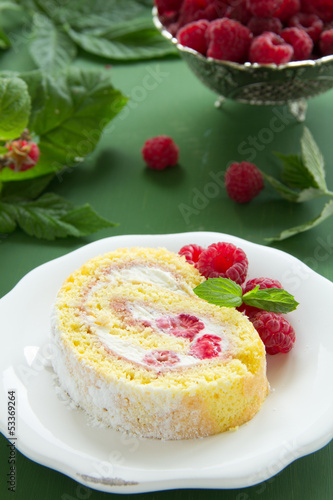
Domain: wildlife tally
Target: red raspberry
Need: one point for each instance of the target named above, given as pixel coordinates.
(326, 43)
(275, 331)
(160, 152)
(270, 48)
(193, 10)
(206, 347)
(301, 42)
(193, 35)
(183, 325)
(322, 8)
(161, 358)
(263, 283)
(238, 11)
(22, 155)
(164, 6)
(263, 8)
(243, 181)
(228, 40)
(288, 9)
(309, 23)
(223, 260)
(259, 25)
(191, 253)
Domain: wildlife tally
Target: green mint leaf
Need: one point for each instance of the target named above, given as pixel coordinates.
(294, 195)
(287, 233)
(51, 217)
(294, 172)
(220, 291)
(50, 47)
(270, 299)
(313, 159)
(14, 107)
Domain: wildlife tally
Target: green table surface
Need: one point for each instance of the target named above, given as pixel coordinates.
(165, 98)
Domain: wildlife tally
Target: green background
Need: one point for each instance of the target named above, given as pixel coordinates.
(165, 98)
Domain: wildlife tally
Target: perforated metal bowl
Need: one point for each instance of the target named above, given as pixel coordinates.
(292, 83)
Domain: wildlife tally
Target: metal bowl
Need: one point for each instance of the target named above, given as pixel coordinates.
(263, 84)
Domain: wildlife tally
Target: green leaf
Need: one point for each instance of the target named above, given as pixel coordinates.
(30, 188)
(294, 172)
(50, 47)
(220, 291)
(51, 217)
(136, 45)
(14, 107)
(270, 299)
(4, 40)
(287, 233)
(286, 192)
(313, 160)
(7, 222)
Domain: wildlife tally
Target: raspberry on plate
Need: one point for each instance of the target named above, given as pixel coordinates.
(263, 283)
(326, 43)
(223, 260)
(228, 40)
(243, 181)
(160, 152)
(288, 9)
(309, 23)
(263, 8)
(275, 331)
(191, 253)
(193, 35)
(270, 48)
(259, 25)
(301, 42)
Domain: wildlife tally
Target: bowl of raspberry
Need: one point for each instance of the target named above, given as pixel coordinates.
(265, 52)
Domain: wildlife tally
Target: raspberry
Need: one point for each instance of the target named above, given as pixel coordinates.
(193, 10)
(263, 8)
(270, 48)
(164, 6)
(275, 331)
(263, 283)
(159, 358)
(160, 152)
(22, 155)
(184, 325)
(259, 25)
(238, 12)
(322, 8)
(326, 43)
(206, 347)
(309, 23)
(191, 253)
(228, 40)
(301, 42)
(243, 181)
(225, 260)
(193, 35)
(288, 9)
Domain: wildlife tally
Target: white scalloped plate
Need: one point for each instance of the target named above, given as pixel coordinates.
(296, 419)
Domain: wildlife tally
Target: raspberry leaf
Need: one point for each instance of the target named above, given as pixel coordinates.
(50, 217)
(294, 172)
(313, 159)
(220, 291)
(287, 233)
(15, 104)
(270, 299)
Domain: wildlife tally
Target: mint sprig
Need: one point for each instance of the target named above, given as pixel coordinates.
(226, 293)
(303, 178)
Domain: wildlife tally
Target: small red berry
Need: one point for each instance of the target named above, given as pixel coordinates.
(193, 35)
(263, 283)
(243, 181)
(301, 42)
(288, 9)
(263, 8)
(191, 253)
(326, 43)
(309, 23)
(259, 25)
(223, 260)
(22, 155)
(160, 152)
(228, 40)
(275, 331)
(322, 8)
(206, 347)
(270, 48)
